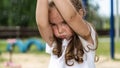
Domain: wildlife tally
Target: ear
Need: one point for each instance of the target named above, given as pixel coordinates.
(81, 12)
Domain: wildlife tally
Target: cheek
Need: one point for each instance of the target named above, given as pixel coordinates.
(68, 29)
(69, 32)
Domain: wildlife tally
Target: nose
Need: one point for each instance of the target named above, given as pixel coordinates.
(60, 29)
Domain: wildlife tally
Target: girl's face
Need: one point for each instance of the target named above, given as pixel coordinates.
(59, 26)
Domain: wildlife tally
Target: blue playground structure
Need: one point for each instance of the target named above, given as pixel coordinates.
(112, 32)
(24, 47)
(40, 46)
(18, 43)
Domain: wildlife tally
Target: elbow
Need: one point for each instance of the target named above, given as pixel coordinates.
(87, 35)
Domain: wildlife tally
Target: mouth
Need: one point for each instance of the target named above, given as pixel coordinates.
(63, 36)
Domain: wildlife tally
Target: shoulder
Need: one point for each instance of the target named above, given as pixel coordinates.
(86, 44)
(50, 48)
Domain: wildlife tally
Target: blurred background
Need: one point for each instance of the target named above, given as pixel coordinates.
(22, 46)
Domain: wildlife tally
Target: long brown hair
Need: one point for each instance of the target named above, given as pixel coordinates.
(74, 49)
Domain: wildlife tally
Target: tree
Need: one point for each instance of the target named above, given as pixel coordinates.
(22, 13)
(17, 13)
(92, 14)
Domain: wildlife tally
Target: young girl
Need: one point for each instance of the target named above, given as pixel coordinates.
(71, 40)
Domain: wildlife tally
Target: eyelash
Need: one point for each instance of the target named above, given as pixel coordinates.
(52, 24)
(64, 23)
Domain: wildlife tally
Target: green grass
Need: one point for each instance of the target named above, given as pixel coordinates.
(3, 44)
(103, 47)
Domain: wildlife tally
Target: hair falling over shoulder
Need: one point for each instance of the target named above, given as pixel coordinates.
(74, 50)
(96, 38)
(57, 50)
(96, 59)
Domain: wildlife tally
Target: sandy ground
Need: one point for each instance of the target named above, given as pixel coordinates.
(42, 61)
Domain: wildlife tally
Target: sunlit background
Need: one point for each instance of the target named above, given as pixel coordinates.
(18, 29)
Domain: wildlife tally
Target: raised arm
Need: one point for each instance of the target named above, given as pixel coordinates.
(72, 17)
(42, 21)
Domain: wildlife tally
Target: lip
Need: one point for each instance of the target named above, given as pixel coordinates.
(63, 36)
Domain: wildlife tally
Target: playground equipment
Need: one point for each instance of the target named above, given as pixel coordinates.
(12, 43)
(17, 43)
(112, 32)
(24, 47)
(12, 65)
(40, 46)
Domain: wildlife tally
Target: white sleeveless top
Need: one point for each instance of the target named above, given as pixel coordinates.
(88, 57)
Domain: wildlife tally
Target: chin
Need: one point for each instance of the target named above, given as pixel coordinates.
(67, 38)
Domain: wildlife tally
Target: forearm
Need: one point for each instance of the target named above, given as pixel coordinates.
(66, 9)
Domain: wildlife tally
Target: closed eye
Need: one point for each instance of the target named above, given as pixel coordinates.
(52, 24)
(64, 22)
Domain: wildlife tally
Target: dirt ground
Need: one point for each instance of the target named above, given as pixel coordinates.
(42, 61)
